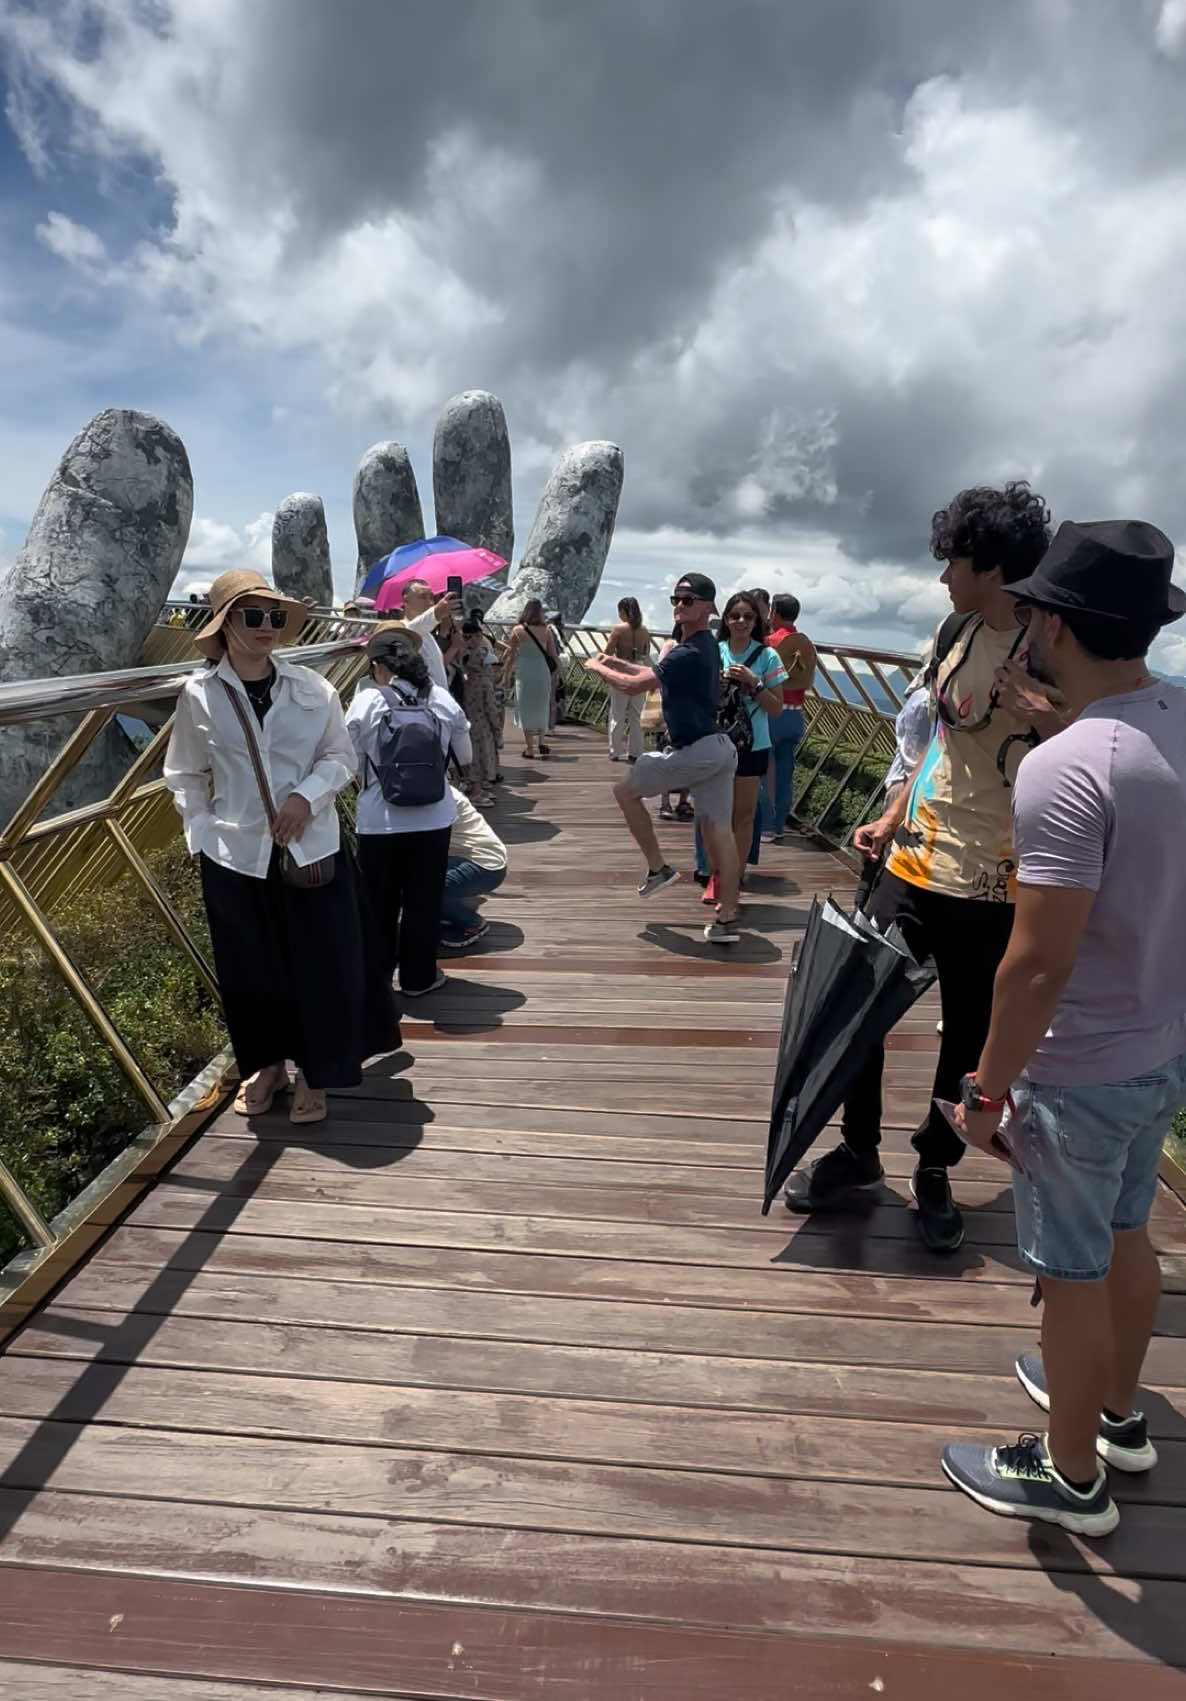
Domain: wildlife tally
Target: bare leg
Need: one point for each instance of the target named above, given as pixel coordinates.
(745, 802)
(1077, 1354)
(642, 829)
(722, 859)
(1134, 1289)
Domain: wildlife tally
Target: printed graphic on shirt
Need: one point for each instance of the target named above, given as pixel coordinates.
(957, 837)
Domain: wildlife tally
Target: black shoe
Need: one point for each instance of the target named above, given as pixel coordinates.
(939, 1221)
(841, 1177)
(1021, 1482)
(1125, 1444)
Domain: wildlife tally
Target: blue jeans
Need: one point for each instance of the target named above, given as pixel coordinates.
(464, 881)
(786, 733)
(1090, 1156)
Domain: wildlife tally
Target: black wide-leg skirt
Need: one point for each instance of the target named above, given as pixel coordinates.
(299, 973)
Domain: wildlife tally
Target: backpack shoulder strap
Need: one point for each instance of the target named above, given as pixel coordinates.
(946, 639)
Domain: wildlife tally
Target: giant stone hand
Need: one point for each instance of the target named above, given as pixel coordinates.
(569, 540)
(83, 594)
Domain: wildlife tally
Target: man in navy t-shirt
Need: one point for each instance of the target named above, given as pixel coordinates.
(701, 758)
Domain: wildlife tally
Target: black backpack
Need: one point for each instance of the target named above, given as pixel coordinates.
(733, 716)
(412, 763)
(946, 639)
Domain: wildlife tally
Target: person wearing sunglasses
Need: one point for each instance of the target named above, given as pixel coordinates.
(699, 756)
(298, 978)
(950, 873)
(1084, 1066)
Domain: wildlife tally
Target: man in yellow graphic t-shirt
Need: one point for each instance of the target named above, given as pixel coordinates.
(950, 874)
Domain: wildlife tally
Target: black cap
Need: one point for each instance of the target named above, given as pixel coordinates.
(697, 585)
(1111, 569)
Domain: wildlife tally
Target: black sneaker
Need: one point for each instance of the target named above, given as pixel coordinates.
(1021, 1482)
(939, 1221)
(1125, 1445)
(655, 882)
(841, 1177)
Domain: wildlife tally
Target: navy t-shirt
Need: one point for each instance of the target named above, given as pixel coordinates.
(689, 684)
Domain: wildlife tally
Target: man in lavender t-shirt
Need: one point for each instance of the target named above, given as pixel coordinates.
(1089, 1017)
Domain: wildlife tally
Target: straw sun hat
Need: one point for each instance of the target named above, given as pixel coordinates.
(227, 590)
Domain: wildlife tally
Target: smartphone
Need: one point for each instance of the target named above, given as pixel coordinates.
(453, 585)
(1000, 1140)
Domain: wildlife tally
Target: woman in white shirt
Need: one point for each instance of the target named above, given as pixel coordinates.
(403, 850)
(297, 977)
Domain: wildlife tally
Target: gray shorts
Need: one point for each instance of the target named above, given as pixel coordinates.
(705, 768)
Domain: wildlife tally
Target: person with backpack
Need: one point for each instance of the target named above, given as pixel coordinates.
(405, 730)
(752, 675)
(950, 874)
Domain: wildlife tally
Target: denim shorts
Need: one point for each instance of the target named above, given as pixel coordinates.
(1091, 1156)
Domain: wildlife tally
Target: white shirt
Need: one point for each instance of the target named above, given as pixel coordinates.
(434, 661)
(363, 718)
(304, 747)
(473, 839)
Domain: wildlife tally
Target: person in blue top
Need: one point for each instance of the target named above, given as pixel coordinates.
(748, 663)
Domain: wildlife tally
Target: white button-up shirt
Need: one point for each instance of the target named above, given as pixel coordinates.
(434, 661)
(304, 746)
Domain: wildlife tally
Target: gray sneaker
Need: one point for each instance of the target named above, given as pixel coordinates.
(723, 932)
(1021, 1482)
(1125, 1445)
(665, 876)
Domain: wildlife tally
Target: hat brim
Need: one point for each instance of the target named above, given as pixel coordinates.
(395, 629)
(1034, 590)
(206, 638)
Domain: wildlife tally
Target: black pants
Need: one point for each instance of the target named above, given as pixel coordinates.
(298, 973)
(404, 877)
(967, 939)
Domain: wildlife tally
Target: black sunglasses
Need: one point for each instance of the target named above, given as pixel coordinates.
(684, 600)
(741, 614)
(253, 618)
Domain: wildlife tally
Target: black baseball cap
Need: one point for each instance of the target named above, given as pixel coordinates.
(698, 585)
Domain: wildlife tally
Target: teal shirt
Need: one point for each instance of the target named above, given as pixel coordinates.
(769, 669)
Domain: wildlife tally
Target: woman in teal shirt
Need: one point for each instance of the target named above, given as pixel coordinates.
(747, 662)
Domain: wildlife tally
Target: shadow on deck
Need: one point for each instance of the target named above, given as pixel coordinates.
(498, 1385)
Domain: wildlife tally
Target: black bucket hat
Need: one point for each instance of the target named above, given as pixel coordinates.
(1110, 569)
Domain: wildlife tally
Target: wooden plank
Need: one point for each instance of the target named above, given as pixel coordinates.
(774, 1288)
(840, 1243)
(927, 1522)
(964, 1606)
(777, 1445)
(426, 1649)
(37, 1682)
(93, 1306)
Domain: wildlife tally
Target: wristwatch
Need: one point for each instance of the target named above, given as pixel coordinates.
(973, 1099)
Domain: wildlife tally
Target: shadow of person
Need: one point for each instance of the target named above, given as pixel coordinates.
(685, 943)
(466, 1006)
(1141, 1609)
(503, 936)
(877, 1238)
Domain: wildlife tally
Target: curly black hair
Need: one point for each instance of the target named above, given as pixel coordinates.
(1008, 528)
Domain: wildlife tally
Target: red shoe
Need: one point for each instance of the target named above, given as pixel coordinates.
(712, 894)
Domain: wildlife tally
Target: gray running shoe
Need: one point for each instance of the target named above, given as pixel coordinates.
(1125, 1445)
(665, 876)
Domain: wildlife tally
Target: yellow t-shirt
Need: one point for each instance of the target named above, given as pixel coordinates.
(957, 837)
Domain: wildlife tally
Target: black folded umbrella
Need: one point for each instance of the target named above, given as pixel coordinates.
(849, 984)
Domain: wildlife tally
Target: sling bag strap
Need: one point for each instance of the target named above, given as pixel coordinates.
(257, 761)
(543, 650)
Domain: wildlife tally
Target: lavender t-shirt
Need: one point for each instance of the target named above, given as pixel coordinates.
(1101, 808)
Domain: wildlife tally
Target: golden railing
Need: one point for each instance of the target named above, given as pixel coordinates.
(87, 850)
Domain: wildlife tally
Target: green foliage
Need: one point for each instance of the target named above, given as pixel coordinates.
(836, 798)
(66, 1108)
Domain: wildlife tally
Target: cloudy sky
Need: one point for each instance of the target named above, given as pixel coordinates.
(814, 264)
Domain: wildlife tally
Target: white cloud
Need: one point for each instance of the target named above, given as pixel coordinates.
(72, 242)
(214, 547)
(1171, 27)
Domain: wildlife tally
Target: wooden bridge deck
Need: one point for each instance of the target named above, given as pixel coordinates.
(499, 1386)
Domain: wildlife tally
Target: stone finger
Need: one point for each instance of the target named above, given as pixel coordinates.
(471, 483)
(101, 554)
(387, 509)
(570, 538)
(300, 550)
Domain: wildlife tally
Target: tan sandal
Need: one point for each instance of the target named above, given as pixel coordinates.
(245, 1106)
(308, 1103)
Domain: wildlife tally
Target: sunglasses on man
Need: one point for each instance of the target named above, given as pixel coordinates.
(685, 600)
(253, 618)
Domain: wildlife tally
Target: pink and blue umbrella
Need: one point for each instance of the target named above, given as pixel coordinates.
(433, 559)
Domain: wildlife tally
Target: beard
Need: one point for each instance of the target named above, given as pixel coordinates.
(1037, 667)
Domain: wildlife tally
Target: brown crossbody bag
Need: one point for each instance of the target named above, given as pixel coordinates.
(292, 873)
